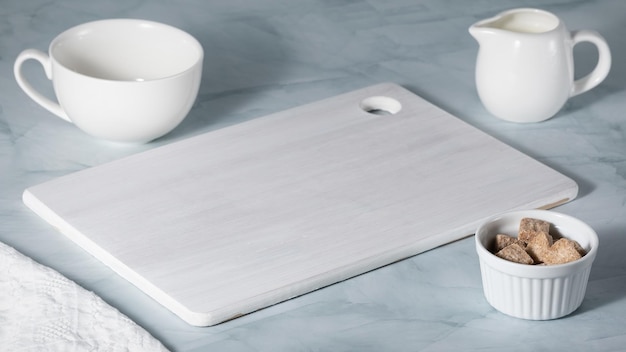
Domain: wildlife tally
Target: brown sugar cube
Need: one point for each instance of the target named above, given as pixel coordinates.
(515, 253)
(579, 248)
(562, 251)
(502, 241)
(529, 227)
(538, 247)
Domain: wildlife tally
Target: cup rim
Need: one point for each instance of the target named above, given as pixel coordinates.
(535, 271)
(131, 21)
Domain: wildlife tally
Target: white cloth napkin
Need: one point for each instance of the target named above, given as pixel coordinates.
(42, 310)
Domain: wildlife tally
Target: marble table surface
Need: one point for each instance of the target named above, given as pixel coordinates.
(267, 56)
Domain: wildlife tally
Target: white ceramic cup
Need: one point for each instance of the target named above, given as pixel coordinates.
(122, 80)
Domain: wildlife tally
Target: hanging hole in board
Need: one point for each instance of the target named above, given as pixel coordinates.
(381, 105)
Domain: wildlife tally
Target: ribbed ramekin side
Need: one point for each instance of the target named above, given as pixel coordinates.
(531, 298)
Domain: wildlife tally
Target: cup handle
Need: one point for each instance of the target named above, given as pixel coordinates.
(603, 66)
(40, 99)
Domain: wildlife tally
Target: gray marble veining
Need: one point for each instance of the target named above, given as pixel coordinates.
(267, 56)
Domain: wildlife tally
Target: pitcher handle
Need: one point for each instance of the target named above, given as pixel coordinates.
(603, 66)
(39, 98)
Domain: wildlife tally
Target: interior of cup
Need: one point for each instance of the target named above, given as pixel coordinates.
(126, 50)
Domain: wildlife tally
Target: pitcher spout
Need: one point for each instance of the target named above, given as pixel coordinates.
(479, 31)
(483, 28)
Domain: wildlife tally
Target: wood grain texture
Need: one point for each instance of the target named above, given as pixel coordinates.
(237, 219)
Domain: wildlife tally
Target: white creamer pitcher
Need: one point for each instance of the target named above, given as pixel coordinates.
(525, 66)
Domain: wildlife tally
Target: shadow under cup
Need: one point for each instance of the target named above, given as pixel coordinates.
(126, 80)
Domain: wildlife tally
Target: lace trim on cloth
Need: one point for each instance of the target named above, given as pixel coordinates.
(42, 310)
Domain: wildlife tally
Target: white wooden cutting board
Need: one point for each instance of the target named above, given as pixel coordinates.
(228, 222)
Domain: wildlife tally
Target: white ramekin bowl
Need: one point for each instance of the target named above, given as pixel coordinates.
(535, 292)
